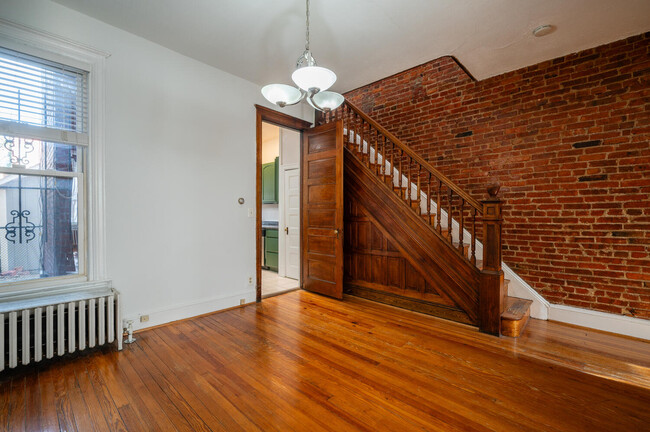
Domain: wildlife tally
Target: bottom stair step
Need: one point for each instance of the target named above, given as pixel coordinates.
(515, 317)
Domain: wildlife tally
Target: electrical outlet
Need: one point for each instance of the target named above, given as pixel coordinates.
(144, 318)
(250, 280)
(242, 301)
(251, 212)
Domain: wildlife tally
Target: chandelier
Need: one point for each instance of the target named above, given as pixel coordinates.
(312, 81)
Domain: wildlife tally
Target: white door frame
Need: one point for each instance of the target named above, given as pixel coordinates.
(282, 269)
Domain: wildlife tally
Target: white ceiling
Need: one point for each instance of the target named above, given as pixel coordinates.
(365, 40)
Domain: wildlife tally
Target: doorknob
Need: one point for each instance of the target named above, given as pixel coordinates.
(336, 231)
(286, 229)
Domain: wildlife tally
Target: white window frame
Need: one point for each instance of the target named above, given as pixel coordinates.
(55, 48)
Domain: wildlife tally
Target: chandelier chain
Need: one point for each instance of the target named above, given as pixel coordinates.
(307, 41)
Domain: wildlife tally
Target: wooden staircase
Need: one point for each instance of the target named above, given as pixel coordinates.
(435, 226)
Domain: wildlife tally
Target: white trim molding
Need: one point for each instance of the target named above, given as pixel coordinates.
(55, 48)
(191, 309)
(542, 309)
(54, 290)
(24, 130)
(635, 327)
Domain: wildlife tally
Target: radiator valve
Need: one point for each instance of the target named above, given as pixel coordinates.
(129, 330)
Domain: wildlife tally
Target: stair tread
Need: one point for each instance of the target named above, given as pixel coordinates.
(516, 308)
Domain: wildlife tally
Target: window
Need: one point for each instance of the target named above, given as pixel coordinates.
(43, 144)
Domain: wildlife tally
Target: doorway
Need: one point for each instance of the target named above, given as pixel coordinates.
(278, 230)
(280, 209)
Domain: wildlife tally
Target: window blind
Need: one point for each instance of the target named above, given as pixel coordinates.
(42, 99)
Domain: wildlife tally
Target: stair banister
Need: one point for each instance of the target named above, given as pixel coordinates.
(417, 158)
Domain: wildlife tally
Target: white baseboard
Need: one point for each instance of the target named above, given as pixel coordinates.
(191, 309)
(620, 324)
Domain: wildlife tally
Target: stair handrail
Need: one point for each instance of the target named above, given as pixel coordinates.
(417, 158)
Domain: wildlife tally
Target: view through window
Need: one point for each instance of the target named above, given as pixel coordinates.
(43, 124)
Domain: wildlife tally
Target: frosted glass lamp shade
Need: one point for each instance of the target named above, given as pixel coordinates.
(326, 100)
(281, 94)
(310, 77)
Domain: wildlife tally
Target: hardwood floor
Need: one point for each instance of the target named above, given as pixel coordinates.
(300, 361)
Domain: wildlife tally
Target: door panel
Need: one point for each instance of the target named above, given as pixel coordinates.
(292, 223)
(322, 209)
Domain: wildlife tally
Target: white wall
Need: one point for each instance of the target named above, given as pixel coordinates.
(290, 146)
(270, 142)
(270, 151)
(270, 212)
(180, 150)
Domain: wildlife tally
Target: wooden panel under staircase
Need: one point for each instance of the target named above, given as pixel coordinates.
(422, 232)
(420, 245)
(376, 269)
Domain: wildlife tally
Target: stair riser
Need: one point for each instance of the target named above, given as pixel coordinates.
(515, 317)
(514, 328)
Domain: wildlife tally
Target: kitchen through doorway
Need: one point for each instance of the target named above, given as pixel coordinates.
(280, 243)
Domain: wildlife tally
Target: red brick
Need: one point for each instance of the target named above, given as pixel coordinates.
(525, 123)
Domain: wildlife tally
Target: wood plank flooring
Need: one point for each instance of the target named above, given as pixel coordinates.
(302, 362)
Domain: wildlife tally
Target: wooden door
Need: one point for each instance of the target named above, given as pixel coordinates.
(322, 209)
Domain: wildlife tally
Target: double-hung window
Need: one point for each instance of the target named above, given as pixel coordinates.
(43, 144)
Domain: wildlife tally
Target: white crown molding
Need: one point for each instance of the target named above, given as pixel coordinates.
(48, 41)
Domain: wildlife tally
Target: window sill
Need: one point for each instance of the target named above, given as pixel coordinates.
(63, 290)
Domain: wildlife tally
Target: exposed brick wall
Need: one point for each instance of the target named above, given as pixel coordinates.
(568, 140)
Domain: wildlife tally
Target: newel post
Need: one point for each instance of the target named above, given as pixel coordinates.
(491, 294)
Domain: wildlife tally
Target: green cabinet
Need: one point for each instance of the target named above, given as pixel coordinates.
(270, 182)
(271, 249)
